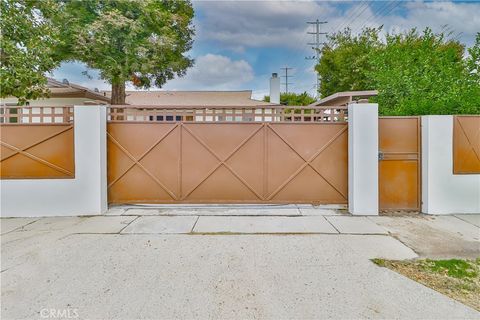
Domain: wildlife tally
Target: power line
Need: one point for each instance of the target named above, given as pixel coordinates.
(307, 87)
(361, 12)
(383, 11)
(373, 15)
(396, 4)
(317, 33)
(342, 25)
(296, 50)
(286, 76)
(316, 45)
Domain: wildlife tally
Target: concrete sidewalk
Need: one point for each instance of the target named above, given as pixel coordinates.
(197, 265)
(253, 225)
(455, 236)
(228, 210)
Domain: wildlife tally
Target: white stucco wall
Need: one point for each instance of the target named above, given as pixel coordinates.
(442, 191)
(363, 158)
(83, 195)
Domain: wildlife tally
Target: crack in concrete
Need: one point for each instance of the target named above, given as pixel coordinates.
(466, 221)
(10, 268)
(22, 226)
(193, 227)
(328, 221)
(119, 232)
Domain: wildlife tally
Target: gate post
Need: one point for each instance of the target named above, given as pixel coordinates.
(91, 157)
(363, 158)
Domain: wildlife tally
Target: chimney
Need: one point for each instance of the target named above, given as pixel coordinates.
(275, 89)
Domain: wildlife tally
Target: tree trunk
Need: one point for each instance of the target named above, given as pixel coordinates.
(118, 93)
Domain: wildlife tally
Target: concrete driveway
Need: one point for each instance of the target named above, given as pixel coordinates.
(199, 264)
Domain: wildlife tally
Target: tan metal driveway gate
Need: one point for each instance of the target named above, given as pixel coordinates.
(227, 162)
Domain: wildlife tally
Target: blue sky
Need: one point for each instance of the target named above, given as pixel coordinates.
(238, 44)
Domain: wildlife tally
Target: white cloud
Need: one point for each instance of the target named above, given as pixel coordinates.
(460, 18)
(210, 72)
(240, 24)
(215, 72)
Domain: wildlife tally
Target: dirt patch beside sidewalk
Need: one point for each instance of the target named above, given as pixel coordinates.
(456, 278)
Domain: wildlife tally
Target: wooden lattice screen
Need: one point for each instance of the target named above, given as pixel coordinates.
(146, 113)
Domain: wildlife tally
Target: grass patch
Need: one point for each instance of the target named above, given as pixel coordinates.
(456, 268)
(457, 278)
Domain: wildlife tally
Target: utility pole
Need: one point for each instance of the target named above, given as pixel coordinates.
(286, 76)
(316, 45)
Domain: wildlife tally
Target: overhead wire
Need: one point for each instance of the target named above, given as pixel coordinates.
(374, 15)
(345, 23)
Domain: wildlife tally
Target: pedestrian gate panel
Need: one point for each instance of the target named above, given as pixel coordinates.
(399, 163)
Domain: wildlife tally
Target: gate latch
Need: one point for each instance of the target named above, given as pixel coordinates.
(380, 155)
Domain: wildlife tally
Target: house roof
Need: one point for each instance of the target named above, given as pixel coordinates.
(181, 99)
(186, 99)
(343, 98)
(70, 90)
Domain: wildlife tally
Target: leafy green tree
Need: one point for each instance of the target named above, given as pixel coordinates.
(345, 59)
(473, 78)
(139, 41)
(27, 41)
(423, 73)
(414, 73)
(473, 61)
(294, 99)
